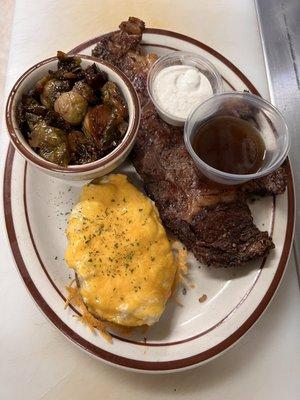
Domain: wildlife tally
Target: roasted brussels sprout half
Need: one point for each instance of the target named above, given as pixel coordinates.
(66, 62)
(99, 123)
(50, 143)
(54, 119)
(112, 96)
(95, 78)
(85, 91)
(82, 149)
(71, 106)
(39, 86)
(68, 67)
(29, 104)
(29, 113)
(52, 90)
(107, 122)
(33, 119)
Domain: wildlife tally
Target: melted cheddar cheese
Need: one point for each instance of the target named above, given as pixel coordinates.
(120, 252)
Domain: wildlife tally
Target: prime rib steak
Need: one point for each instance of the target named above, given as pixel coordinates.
(212, 220)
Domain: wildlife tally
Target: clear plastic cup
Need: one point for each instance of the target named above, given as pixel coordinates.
(256, 111)
(182, 58)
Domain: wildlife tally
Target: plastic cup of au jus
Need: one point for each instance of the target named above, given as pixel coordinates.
(264, 117)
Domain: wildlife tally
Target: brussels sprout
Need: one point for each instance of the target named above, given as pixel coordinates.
(39, 86)
(71, 106)
(99, 123)
(112, 96)
(52, 118)
(33, 119)
(68, 67)
(29, 104)
(50, 143)
(52, 90)
(68, 63)
(82, 149)
(29, 113)
(85, 91)
(56, 118)
(95, 78)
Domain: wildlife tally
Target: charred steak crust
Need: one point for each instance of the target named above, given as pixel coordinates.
(212, 220)
(226, 235)
(113, 47)
(122, 48)
(272, 184)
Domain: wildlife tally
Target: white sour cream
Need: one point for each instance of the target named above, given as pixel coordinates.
(178, 89)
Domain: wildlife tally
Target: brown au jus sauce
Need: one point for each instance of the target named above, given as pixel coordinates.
(230, 144)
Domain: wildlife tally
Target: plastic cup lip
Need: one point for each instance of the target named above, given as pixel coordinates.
(226, 176)
(180, 55)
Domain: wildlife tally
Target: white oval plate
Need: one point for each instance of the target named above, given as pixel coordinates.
(36, 209)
